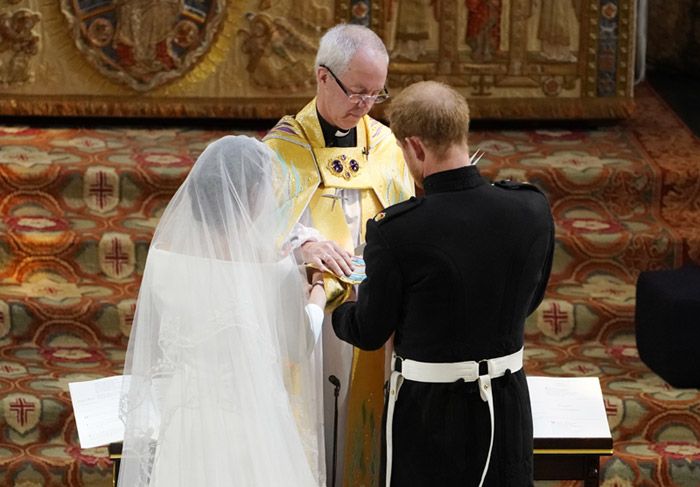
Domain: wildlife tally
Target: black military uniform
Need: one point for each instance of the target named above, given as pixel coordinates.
(454, 274)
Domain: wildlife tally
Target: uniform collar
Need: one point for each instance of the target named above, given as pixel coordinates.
(453, 180)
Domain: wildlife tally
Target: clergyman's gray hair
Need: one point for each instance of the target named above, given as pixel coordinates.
(340, 43)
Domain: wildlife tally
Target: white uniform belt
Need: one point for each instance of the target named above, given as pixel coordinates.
(445, 373)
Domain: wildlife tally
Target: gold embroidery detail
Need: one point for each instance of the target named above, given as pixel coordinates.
(380, 216)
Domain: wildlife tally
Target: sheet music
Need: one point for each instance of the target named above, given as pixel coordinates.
(96, 408)
(568, 407)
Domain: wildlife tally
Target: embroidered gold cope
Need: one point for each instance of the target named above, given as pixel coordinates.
(312, 174)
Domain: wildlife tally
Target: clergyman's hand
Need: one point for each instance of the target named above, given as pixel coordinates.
(327, 256)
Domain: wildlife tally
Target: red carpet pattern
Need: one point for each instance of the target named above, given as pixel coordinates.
(78, 207)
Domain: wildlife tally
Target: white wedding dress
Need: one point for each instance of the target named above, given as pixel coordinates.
(223, 360)
(248, 427)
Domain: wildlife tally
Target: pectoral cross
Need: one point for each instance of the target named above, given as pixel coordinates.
(336, 196)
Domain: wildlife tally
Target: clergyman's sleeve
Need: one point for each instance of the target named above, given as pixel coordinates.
(369, 322)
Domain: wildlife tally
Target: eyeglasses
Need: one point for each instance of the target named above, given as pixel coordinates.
(358, 98)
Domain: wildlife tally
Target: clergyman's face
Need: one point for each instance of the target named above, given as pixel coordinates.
(366, 74)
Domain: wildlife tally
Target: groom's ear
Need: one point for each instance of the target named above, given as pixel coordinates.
(417, 146)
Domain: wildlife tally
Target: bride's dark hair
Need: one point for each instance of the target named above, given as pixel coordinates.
(207, 187)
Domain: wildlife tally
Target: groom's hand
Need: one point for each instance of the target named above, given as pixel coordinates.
(328, 256)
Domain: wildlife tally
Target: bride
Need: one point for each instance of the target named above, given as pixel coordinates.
(223, 364)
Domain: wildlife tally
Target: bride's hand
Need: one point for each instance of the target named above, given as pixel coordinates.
(316, 291)
(316, 276)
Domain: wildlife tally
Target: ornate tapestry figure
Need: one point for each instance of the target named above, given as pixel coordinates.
(17, 46)
(143, 28)
(270, 45)
(144, 43)
(483, 28)
(555, 29)
(412, 28)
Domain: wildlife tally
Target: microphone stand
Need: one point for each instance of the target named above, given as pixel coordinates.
(334, 380)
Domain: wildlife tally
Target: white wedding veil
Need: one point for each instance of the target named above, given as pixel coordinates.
(222, 375)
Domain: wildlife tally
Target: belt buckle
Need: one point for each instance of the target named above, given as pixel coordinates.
(485, 363)
(398, 363)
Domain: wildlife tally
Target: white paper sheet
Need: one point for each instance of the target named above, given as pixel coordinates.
(562, 407)
(96, 408)
(568, 407)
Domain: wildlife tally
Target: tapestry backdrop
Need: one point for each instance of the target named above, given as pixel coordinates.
(254, 58)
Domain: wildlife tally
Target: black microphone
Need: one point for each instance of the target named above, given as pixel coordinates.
(334, 380)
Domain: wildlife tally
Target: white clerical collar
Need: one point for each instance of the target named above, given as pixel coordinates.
(340, 133)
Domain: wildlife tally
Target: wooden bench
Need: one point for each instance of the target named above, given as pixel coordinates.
(571, 430)
(570, 458)
(562, 408)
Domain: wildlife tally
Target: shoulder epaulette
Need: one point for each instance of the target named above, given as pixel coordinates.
(509, 184)
(398, 209)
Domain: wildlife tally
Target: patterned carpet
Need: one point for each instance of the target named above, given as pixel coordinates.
(78, 207)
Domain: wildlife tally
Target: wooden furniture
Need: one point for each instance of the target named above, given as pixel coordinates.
(554, 459)
(561, 407)
(115, 454)
(570, 458)
(570, 426)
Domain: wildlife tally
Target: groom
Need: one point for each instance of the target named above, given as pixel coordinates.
(452, 275)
